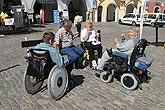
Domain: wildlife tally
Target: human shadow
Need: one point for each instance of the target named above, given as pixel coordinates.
(160, 44)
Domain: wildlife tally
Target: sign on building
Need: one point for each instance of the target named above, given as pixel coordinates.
(147, 5)
(94, 3)
(56, 16)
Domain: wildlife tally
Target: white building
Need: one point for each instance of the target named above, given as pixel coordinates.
(32, 7)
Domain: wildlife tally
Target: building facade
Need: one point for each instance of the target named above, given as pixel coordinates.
(112, 10)
(155, 7)
(98, 10)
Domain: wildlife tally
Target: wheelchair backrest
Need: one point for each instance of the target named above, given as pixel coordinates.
(138, 51)
(39, 62)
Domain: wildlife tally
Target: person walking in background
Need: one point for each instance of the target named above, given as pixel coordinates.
(77, 22)
(62, 18)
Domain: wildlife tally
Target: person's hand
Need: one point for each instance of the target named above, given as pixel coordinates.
(98, 35)
(76, 34)
(116, 40)
(122, 36)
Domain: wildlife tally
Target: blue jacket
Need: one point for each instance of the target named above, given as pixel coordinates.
(54, 54)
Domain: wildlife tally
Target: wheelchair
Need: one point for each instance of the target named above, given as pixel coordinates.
(132, 74)
(40, 67)
(86, 61)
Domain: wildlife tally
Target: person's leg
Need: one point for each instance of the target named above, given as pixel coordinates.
(99, 50)
(90, 48)
(78, 25)
(80, 51)
(105, 57)
(72, 56)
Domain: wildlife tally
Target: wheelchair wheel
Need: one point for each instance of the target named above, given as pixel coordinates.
(32, 84)
(129, 81)
(85, 62)
(57, 82)
(106, 77)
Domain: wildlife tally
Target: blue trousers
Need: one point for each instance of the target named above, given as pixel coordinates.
(73, 52)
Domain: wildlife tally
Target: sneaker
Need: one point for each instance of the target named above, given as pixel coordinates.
(94, 64)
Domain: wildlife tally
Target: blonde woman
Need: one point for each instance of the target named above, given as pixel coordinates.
(89, 38)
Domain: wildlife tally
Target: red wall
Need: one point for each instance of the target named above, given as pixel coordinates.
(151, 6)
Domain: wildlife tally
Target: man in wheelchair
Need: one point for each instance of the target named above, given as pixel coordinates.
(45, 62)
(64, 42)
(125, 46)
(47, 44)
(127, 63)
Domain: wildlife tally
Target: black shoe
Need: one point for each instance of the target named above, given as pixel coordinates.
(109, 52)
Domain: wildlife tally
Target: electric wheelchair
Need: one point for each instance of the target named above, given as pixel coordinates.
(41, 67)
(86, 61)
(131, 72)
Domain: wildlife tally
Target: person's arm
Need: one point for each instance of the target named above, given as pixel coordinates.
(56, 46)
(57, 40)
(86, 36)
(125, 46)
(58, 59)
(75, 35)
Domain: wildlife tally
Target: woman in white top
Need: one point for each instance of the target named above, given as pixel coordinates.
(89, 38)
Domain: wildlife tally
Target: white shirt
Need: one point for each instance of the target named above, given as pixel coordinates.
(77, 19)
(91, 38)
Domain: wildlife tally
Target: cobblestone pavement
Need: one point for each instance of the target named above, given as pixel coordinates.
(89, 93)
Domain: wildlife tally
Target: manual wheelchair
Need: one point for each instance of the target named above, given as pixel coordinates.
(41, 67)
(131, 72)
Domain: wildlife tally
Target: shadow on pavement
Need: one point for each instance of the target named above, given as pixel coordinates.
(9, 68)
(161, 44)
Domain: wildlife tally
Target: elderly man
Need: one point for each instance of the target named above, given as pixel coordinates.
(125, 46)
(64, 42)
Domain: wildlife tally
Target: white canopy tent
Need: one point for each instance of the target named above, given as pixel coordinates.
(142, 13)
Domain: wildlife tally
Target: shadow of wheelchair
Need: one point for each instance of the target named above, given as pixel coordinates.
(74, 81)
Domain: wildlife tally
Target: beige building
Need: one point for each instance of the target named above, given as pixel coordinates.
(112, 10)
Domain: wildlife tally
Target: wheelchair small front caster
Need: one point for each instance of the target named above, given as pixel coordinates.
(106, 77)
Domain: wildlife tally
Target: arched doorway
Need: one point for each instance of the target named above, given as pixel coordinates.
(48, 8)
(99, 13)
(37, 7)
(111, 9)
(130, 8)
(77, 5)
(156, 10)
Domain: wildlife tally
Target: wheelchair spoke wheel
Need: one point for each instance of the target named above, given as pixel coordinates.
(57, 82)
(32, 84)
(129, 81)
(106, 77)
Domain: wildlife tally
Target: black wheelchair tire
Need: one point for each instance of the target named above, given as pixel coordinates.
(129, 81)
(106, 78)
(32, 87)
